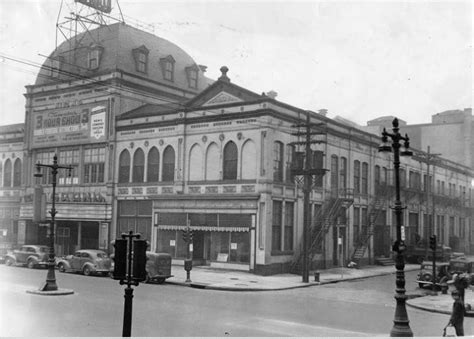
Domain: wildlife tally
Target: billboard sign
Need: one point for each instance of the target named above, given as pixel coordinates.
(70, 126)
(100, 5)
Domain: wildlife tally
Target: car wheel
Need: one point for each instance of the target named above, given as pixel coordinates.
(86, 270)
(147, 279)
(30, 264)
(419, 260)
(160, 280)
(61, 268)
(9, 262)
(421, 285)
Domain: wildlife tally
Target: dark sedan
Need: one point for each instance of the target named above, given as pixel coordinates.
(86, 262)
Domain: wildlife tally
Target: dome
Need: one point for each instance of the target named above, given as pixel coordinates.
(116, 47)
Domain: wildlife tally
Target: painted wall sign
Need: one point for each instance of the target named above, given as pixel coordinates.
(71, 125)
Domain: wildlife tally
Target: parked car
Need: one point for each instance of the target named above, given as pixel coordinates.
(416, 254)
(30, 255)
(425, 275)
(158, 267)
(462, 265)
(86, 262)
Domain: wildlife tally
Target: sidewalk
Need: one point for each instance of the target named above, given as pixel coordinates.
(218, 279)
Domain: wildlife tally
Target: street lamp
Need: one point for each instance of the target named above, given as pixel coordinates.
(401, 327)
(50, 284)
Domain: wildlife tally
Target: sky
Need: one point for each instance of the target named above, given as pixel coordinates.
(358, 60)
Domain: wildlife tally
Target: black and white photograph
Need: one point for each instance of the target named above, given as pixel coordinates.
(254, 168)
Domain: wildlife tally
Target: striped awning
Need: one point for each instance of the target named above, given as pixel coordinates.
(203, 228)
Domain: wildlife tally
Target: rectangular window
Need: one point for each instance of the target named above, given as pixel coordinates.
(290, 155)
(193, 78)
(289, 220)
(318, 162)
(94, 165)
(45, 158)
(142, 62)
(276, 225)
(94, 58)
(278, 161)
(69, 158)
(356, 176)
(365, 178)
(403, 177)
(169, 70)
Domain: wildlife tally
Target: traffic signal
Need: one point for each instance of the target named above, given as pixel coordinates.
(190, 236)
(139, 259)
(185, 236)
(433, 242)
(120, 259)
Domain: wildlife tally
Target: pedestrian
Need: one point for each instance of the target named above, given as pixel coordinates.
(457, 315)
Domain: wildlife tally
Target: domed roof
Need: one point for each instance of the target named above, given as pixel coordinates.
(118, 46)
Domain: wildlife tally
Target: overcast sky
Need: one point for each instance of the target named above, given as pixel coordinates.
(358, 60)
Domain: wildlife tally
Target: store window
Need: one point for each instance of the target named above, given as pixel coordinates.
(135, 216)
(276, 225)
(168, 164)
(289, 226)
(278, 161)
(138, 173)
(70, 158)
(230, 161)
(153, 167)
(94, 165)
(17, 173)
(124, 167)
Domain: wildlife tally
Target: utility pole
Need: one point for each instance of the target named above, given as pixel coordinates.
(308, 171)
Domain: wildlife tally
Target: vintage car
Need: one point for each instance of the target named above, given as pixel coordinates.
(425, 275)
(158, 267)
(462, 265)
(30, 255)
(417, 254)
(86, 262)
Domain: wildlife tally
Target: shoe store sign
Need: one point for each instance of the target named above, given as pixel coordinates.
(72, 125)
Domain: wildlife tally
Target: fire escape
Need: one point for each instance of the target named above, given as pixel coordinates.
(323, 220)
(379, 203)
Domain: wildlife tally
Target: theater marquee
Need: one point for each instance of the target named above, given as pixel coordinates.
(70, 126)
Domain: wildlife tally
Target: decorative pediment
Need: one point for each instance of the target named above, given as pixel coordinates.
(221, 98)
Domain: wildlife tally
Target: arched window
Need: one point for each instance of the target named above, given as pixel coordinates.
(195, 163)
(356, 176)
(278, 161)
(249, 160)
(343, 173)
(138, 174)
(290, 158)
(17, 173)
(230, 161)
(168, 164)
(124, 167)
(153, 168)
(7, 174)
(212, 162)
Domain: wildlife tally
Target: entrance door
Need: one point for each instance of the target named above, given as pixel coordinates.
(382, 240)
(339, 245)
(198, 248)
(63, 239)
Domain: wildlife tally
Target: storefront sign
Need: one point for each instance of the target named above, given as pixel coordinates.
(222, 257)
(70, 125)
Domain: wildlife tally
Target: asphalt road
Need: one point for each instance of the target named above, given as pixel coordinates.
(358, 308)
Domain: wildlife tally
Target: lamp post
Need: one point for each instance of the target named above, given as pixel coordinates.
(401, 327)
(50, 284)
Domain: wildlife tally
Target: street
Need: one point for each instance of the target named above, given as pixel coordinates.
(358, 308)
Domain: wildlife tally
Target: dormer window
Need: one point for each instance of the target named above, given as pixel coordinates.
(167, 67)
(141, 59)
(192, 75)
(54, 66)
(94, 55)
